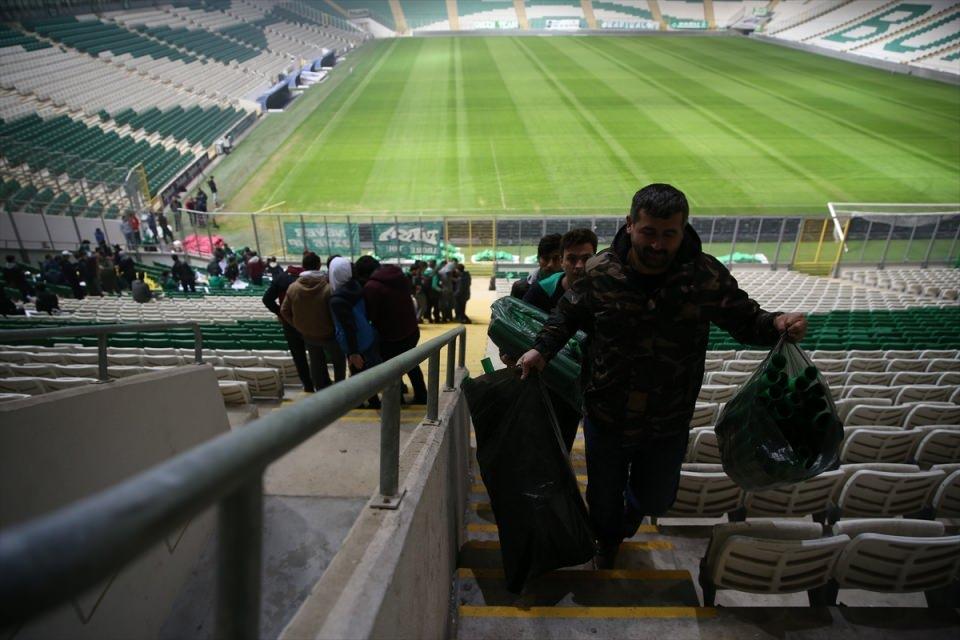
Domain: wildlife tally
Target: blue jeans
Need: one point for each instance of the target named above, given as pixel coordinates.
(626, 483)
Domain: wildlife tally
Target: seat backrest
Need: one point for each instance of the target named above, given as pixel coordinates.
(705, 447)
(717, 392)
(830, 365)
(704, 414)
(752, 355)
(865, 444)
(903, 378)
(923, 392)
(938, 446)
(868, 415)
(846, 405)
(883, 494)
(800, 499)
(774, 565)
(946, 499)
(943, 364)
(869, 377)
(877, 365)
(705, 491)
(871, 391)
(949, 377)
(898, 564)
(741, 365)
(922, 414)
(728, 377)
(907, 364)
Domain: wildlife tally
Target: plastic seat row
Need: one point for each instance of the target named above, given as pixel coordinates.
(889, 556)
(860, 444)
(859, 490)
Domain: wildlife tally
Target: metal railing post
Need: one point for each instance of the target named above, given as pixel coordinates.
(451, 364)
(102, 371)
(240, 530)
(390, 497)
(433, 387)
(463, 349)
(197, 343)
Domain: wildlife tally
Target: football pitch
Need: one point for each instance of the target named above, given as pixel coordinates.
(566, 125)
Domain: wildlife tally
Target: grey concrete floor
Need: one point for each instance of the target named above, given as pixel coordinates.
(312, 497)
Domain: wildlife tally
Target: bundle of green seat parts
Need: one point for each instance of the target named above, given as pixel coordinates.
(782, 426)
(514, 326)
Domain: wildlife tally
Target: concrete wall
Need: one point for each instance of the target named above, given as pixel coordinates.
(392, 576)
(63, 446)
(53, 233)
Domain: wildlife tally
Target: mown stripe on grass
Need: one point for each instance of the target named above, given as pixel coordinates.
(303, 171)
(887, 132)
(653, 140)
(693, 92)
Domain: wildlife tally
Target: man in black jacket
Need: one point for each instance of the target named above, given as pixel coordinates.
(184, 274)
(646, 305)
(272, 299)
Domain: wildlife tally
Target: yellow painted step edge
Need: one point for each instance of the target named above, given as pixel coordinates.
(630, 545)
(484, 527)
(472, 611)
(602, 574)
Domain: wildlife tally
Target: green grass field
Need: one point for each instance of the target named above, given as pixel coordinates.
(577, 124)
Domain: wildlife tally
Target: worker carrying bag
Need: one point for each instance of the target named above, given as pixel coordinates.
(541, 517)
(782, 426)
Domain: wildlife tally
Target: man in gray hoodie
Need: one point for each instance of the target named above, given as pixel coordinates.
(307, 308)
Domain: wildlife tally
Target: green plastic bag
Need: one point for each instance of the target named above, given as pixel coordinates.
(782, 426)
(514, 326)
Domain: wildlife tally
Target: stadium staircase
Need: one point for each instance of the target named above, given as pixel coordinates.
(587, 6)
(453, 15)
(708, 14)
(521, 10)
(657, 14)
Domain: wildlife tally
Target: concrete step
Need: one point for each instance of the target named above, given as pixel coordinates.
(488, 531)
(634, 554)
(695, 623)
(580, 588)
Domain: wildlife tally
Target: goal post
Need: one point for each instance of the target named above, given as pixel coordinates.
(878, 233)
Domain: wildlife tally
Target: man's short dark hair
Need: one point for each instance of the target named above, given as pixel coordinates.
(549, 243)
(330, 259)
(659, 201)
(364, 267)
(311, 262)
(578, 236)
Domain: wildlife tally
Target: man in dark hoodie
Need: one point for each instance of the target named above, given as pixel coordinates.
(387, 294)
(306, 307)
(273, 297)
(646, 304)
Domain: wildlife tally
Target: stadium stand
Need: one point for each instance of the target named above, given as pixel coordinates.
(679, 12)
(933, 283)
(487, 14)
(623, 14)
(379, 10)
(426, 16)
(555, 14)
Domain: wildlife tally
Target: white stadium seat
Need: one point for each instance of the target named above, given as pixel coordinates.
(768, 557)
(878, 444)
(705, 491)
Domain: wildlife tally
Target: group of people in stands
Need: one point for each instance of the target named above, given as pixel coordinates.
(345, 314)
(441, 291)
(89, 271)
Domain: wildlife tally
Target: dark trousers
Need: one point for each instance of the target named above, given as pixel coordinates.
(298, 351)
(568, 419)
(626, 483)
(461, 308)
(319, 354)
(393, 349)
(192, 287)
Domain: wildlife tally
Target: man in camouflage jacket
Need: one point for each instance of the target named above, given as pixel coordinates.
(646, 304)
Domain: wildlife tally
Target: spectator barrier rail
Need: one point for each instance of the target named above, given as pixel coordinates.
(46, 561)
(102, 331)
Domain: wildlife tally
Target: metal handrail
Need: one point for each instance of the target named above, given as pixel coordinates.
(46, 561)
(102, 331)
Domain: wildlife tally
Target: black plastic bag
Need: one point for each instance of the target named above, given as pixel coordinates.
(782, 426)
(541, 517)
